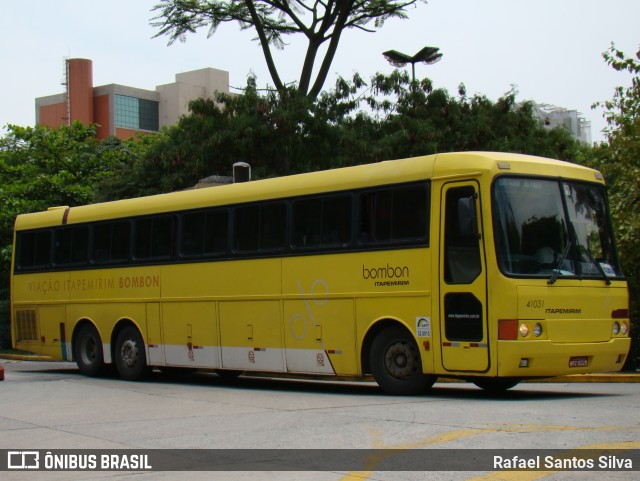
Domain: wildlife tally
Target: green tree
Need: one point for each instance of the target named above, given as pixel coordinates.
(41, 168)
(280, 136)
(319, 22)
(276, 135)
(412, 118)
(619, 160)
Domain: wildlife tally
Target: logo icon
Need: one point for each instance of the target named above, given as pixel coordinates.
(423, 326)
(23, 460)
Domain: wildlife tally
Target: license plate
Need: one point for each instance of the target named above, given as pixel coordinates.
(581, 361)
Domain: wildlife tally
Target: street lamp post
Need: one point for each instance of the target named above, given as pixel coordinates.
(428, 55)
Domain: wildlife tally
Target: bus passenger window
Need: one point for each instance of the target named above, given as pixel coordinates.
(71, 245)
(322, 222)
(336, 221)
(216, 232)
(111, 242)
(33, 249)
(192, 235)
(154, 237)
(247, 228)
(307, 223)
(273, 226)
(260, 228)
(394, 215)
(204, 233)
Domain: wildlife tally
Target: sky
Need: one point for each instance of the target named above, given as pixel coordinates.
(549, 50)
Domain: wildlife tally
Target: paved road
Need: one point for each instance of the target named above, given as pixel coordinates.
(45, 405)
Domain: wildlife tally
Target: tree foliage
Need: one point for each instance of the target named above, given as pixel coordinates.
(416, 119)
(357, 122)
(273, 20)
(619, 160)
(41, 168)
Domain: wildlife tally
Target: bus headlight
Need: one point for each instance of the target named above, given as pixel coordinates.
(624, 328)
(537, 330)
(616, 328)
(524, 329)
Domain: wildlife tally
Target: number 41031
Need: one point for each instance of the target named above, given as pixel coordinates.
(535, 304)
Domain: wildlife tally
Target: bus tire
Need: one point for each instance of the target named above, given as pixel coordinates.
(87, 351)
(130, 357)
(396, 364)
(494, 385)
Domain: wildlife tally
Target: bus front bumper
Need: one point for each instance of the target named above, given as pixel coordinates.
(541, 358)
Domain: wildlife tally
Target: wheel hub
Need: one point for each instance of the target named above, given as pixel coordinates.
(129, 353)
(89, 350)
(400, 360)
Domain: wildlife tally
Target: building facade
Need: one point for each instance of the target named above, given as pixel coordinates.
(122, 111)
(570, 120)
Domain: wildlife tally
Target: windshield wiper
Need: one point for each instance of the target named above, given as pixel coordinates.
(556, 271)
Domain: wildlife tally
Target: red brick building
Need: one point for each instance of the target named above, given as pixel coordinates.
(120, 110)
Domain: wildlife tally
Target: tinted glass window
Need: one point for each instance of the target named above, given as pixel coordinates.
(111, 242)
(260, 227)
(394, 215)
(71, 245)
(322, 222)
(204, 233)
(154, 237)
(33, 249)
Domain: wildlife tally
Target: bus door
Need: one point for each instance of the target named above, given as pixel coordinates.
(463, 280)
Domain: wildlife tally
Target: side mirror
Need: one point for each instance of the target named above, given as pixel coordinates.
(468, 217)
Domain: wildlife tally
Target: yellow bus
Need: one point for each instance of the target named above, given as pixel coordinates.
(487, 267)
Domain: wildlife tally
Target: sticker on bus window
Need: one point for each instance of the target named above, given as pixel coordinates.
(423, 326)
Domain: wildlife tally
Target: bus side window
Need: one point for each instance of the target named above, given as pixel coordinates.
(462, 246)
(394, 215)
(307, 223)
(260, 227)
(33, 249)
(111, 242)
(322, 222)
(216, 232)
(71, 245)
(204, 233)
(273, 226)
(154, 237)
(336, 221)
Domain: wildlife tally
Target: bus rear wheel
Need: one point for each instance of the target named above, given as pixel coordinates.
(130, 357)
(87, 351)
(396, 364)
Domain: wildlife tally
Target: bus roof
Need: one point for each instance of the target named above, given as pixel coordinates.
(438, 166)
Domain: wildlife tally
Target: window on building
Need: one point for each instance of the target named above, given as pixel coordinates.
(135, 113)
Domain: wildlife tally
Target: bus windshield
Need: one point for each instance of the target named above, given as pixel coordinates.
(553, 228)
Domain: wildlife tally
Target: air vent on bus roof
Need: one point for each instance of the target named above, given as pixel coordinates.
(241, 172)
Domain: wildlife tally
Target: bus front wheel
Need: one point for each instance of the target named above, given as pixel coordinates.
(130, 357)
(87, 350)
(396, 364)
